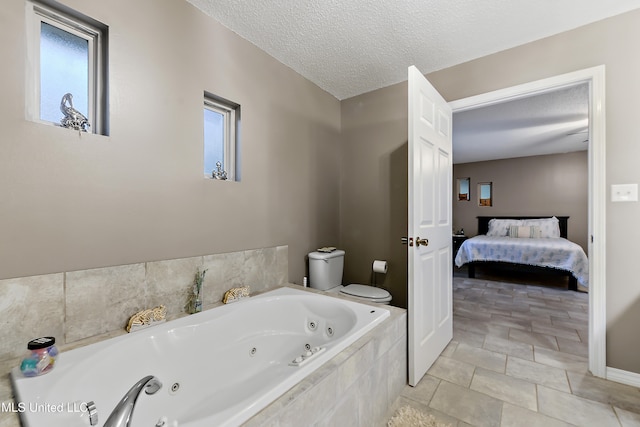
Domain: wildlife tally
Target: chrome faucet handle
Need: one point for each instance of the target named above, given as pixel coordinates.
(93, 413)
(122, 413)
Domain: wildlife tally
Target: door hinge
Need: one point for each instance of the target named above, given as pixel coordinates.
(407, 240)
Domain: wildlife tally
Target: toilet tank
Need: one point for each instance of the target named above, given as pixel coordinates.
(325, 269)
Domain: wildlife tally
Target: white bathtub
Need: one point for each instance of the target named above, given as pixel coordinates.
(218, 368)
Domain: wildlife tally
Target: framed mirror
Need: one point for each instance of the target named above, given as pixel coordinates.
(485, 194)
(464, 189)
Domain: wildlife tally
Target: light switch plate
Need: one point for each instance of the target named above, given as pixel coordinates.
(624, 193)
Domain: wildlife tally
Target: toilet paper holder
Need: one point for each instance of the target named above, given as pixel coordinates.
(378, 267)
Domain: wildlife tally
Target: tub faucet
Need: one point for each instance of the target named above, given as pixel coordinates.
(122, 413)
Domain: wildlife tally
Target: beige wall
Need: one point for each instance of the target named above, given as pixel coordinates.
(537, 185)
(373, 204)
(613, 42)
(73, 202)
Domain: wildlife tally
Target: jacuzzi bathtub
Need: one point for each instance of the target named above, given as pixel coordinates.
(218, 368)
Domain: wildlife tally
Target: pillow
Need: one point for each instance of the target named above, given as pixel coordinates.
(500, 227)
(524, 231)
(549, 227)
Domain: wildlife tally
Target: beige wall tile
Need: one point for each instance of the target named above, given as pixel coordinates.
(260, 269)
(397, 367)
(254, 263)
(282, 261)
(313, 404)
(397, 329)
(343, 414)
(276, 266)
(224, 271)
(351, 369)
(377, 397)
(170, 282)
(367, 390)
(102, 300)
(30, 307)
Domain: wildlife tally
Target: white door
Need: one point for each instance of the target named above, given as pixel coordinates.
(430, 259)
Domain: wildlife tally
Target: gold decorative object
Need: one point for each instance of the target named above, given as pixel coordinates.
(146, 318)
(234, 294)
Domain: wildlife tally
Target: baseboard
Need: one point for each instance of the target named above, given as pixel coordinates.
(624, 377)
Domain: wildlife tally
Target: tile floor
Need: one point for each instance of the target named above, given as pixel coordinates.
(519, 358)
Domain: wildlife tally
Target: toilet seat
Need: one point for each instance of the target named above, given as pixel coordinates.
(370, 293)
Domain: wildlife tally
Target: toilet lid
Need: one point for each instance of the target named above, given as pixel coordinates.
(365, 291)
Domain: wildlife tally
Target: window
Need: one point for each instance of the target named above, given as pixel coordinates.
(66, 55)
(221, 119)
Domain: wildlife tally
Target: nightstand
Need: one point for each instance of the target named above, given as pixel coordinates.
(458, 239)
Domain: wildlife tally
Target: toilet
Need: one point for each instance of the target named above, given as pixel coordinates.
(325, 274)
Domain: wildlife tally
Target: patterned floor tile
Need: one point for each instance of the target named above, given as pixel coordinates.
(497, 372)
(452, 370)
(503, 387)
(515, 416)
(534, 338)
(583, 412)
(469, 406)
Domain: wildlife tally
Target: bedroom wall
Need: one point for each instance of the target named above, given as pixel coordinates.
(73, 202)
(537, 185)
(375, 124)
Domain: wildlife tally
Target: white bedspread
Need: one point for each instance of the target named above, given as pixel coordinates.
(550, 252)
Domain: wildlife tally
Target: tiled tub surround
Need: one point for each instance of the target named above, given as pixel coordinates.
(82, 307)
(356, 388)
(360, 370)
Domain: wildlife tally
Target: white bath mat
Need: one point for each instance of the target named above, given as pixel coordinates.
(411, 417)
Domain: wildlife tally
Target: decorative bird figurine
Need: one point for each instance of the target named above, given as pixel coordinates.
(73, 119)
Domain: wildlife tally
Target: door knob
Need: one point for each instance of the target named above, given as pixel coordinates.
(423, 242)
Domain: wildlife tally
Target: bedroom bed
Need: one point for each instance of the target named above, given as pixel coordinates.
(525, 243)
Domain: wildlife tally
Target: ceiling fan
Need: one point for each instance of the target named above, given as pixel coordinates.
(579, 132)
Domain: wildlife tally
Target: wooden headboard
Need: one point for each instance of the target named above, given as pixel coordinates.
(483, 222)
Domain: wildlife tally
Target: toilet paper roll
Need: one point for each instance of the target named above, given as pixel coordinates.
(380, 266)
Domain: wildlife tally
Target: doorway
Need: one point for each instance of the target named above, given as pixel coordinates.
(594, 78)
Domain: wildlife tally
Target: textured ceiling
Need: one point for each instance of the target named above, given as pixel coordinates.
(553, 122)
(355, 46)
